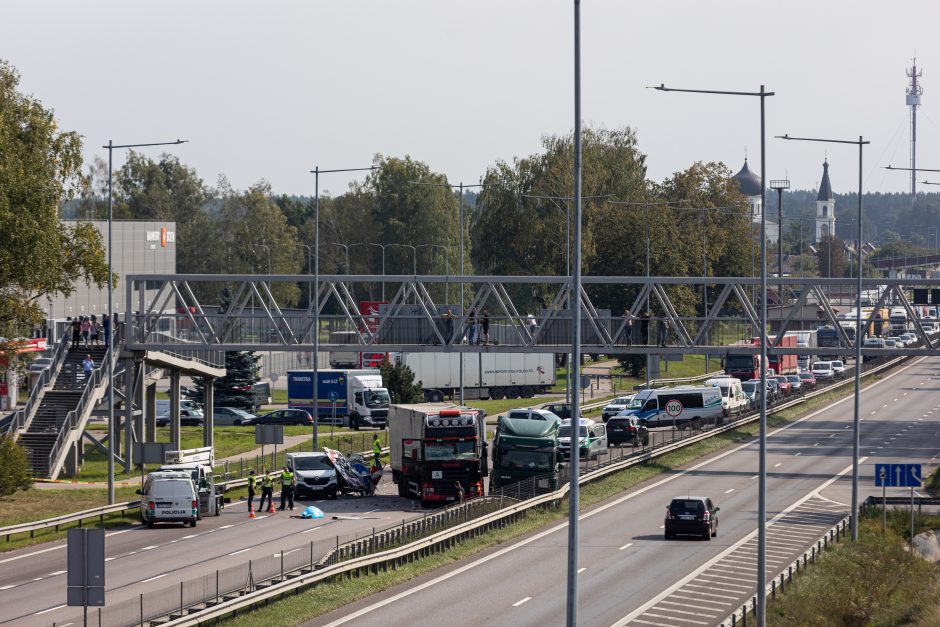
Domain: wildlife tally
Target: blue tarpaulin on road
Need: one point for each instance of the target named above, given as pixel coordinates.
(311, 512)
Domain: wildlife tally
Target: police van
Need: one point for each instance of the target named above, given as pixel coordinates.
(681, 406)
(168, 496)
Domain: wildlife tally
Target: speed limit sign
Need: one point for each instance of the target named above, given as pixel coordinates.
(674, 407)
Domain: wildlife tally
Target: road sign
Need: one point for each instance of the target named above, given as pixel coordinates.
(674, 407)
(333, 396)
(898, 475)
(269, 434)
(85, 578)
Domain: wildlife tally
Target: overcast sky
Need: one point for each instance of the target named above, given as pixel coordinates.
(271, 89)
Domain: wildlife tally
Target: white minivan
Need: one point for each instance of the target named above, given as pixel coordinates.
(733, 399)
(168, 496)
(679, 406)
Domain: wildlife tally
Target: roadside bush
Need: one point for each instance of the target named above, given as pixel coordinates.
(14, 467)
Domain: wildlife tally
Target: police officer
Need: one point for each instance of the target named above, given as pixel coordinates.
(252, 481)
(267, 489)
(287, 488)
(377, 450)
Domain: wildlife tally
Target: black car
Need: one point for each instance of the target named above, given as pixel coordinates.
(282, 417)
(692, 515)
(627, 430)
(562, 410)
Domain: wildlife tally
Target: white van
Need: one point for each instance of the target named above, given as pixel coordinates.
(314, 474)
(168, 496)
(733, 399)
(678, 406)
(592, 438)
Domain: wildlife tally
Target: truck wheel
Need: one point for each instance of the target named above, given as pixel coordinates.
(513, 392)
(402, 489)
(192, 523)
(528, 391)
(497, 393)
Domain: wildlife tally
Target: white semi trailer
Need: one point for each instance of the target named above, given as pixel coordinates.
(485, 375)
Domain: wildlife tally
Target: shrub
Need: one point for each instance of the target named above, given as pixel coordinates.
(14, 467)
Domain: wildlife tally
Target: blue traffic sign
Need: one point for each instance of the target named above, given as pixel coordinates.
(898, 475)
(333, 396)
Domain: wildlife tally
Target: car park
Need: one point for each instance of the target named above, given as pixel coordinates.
(691, 515)
(592, 438)
(627, 429)
(230, 416)
(168, 497)
(282, 417)
(823, 371)
(838, 368)
(190, 413)
(808, 380)
(796, 384)
(616, 406)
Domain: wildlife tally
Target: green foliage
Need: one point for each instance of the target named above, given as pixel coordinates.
(235, 388)
(400, 381)
(830, 257)
(14, 467)
(39, 168)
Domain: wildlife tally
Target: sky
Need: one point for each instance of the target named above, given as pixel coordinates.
(269, 90)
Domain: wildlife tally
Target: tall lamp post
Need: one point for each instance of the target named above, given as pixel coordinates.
(779, 185)
(762, 463)
(113, 325)
(860, 142)
(345, 248)
(316, 289)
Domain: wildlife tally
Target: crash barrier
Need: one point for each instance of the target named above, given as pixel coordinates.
(919, 501)
(369, 556)
(77, 518)
(782, 580)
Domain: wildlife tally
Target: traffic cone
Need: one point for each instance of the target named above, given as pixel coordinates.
(251, 510)
(270, 506)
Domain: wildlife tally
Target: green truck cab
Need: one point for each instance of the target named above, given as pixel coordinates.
(526, 449)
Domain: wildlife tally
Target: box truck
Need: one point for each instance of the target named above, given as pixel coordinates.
(432, 448)
(356, 398)
(485, 375)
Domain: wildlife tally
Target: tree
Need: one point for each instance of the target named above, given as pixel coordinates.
(399, 379)
(235, 389)
(830, 257)
(14, 467)
(39, 168)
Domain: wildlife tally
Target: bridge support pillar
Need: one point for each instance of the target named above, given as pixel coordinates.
(209, 408)
(140, 375)
(175, 409)
(149, 413)
(73, 459)
(131, 372)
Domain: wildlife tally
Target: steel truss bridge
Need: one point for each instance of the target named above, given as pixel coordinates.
(164, 313)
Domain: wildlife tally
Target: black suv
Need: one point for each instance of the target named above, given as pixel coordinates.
(627, 429)
(692, 515)
(282, 417)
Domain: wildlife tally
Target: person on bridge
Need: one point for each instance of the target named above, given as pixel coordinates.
(287, 489)
(664, 332)
(377, 450)
(645, 327)
(486, 327)
(267, 490)
(628, 327)
(76, 332)
(88, 365)
(106, 327)
(252, 481)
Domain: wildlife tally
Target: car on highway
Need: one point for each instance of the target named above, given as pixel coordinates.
(809, 381)
(592, 438)
(314, 474)
(533, 413)
(823, 371)
(785, 388)
(616, 406)
(230, 416)
(891, 342)
(627, 429)
(168, 496)
(691, 515)
(774, 393)
(838, 367)
(796, 384)
(282, 417)
(908, 338)
(750, 389)
(190, 413)
(562, 410)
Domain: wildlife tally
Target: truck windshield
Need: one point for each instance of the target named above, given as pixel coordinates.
(376, 398)
(450, 450)
(312, 463)
(739, 362)
(526, 459)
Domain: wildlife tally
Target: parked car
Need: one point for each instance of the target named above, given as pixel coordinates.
(692, 515)
(231, 416)
(838, 367)
(282, 417)
(785, 388)
(616, 406)
(823, 371)
(39, 364)
(796, 384)
(562, 410)
(627, 429)
(809, 381)
(190, 413)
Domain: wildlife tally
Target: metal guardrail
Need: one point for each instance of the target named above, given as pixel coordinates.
(42, 525)
(785, 576)
(359, 561)
(22, 416)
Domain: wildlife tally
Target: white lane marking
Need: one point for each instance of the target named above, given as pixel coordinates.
(153, 578)
(778, 464)
(684, 620)
(682, 596)
(847, 427)
(649, 622)
(833, 435)
(12, 585)
(582, 569)
(625, 546)
(309, 530)
(883, 406)
(521, 601)
(874, 411)
(240, 551)
(756, 477)
(51, 609)
(729, 491)
(731, 549)
(37, 578)
(148, 548)
(226, 526)
(669, 609)
(817, 444)
(798, 454)
(614, 503)
(662, 526)
(193, 535)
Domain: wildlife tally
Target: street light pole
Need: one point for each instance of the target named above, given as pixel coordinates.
(858, 323)
(316, 292)
(762, 448)
(112, 325)
(780, 185)
(382, 246)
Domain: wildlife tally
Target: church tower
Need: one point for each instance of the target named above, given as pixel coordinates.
(825, 207)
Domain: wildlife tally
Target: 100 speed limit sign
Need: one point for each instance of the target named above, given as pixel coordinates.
(674, 407)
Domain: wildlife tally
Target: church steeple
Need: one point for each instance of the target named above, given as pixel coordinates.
(825, 207)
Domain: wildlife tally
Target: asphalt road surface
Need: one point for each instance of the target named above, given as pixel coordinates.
(629, 574)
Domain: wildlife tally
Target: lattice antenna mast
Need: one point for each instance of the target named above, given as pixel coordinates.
(914, 94)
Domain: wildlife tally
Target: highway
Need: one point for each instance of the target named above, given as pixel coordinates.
(630, 575)
(139, 560)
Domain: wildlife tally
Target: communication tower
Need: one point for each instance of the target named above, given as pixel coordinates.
(914, 94)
